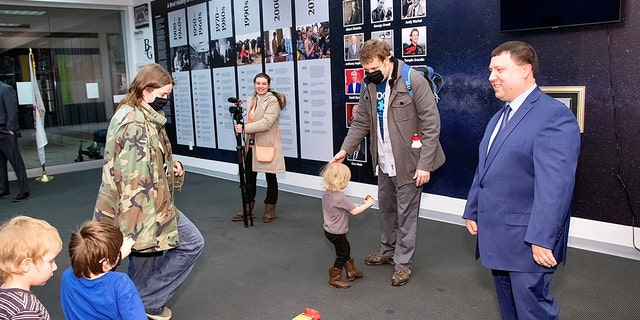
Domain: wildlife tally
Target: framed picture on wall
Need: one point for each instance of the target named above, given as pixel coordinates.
(141, 15)
(572, 96)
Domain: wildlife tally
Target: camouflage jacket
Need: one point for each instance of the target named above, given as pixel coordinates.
(138, 180)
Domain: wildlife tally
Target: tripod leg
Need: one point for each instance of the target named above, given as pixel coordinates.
(79, 158)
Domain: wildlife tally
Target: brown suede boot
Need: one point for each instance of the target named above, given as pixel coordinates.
(352, 272)
(269, 213)
(335, 279)
(239, 216)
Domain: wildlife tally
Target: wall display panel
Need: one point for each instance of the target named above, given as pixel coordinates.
(223, 61)
(224, 87)
(198, 23)
(279, 50)
(181, 53)
(314, 81)
(247, 19)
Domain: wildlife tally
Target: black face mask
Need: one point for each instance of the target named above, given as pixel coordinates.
(375, 77)
(158, 103)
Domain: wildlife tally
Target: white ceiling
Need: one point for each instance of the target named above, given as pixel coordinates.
(62, 23)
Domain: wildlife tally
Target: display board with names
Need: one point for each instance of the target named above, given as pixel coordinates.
(222, 70)
(202, 96)
(247, 19)
(224, 86)
(314, 82)
(279, 65)
(178, 44)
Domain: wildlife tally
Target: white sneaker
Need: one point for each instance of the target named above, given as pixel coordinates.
(166, 315)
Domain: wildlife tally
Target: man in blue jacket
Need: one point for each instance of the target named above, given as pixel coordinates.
(520, 198)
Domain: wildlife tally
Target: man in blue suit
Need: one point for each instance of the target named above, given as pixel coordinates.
(354, 86)
(520, 198)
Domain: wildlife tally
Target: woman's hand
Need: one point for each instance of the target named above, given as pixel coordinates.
(238, 128)
(125, 249)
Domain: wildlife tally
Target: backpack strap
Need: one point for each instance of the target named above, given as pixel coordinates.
(436, 82)
(406, 70)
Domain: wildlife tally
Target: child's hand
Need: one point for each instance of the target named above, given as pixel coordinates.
(125, 249)
(369, 200)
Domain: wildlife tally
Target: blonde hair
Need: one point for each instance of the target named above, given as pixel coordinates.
(374, 48)
(23, 238)
(335, 176)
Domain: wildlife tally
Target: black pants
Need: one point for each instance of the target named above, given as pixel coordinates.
(343, 249)
(251, 177)
(9, 152)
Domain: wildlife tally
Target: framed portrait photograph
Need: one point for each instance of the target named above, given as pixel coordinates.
(414, 9)
(141, 14)
(350, 110)
(352, 44)
(571, 96)
(352, 13)
(381, 11)
(384, 35)
(414, 41)
(353, 81)
(360, 154)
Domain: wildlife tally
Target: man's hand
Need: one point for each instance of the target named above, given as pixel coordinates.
(339, 157)
(472, 226)
(543, 256)
(421, 177)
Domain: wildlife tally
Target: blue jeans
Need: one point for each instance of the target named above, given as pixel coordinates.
(157, 276)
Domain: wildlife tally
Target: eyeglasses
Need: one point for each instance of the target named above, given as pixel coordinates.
(118, 261)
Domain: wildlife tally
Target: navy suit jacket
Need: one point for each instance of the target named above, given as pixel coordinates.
(350, 88)
(522, 189)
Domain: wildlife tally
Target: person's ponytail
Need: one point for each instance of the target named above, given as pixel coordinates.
(282, 99)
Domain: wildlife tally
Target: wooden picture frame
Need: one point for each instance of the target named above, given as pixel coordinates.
(571, 96)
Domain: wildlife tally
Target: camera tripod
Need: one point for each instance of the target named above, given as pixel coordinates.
(236, 113)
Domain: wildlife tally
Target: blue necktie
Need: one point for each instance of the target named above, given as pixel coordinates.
(505, 117)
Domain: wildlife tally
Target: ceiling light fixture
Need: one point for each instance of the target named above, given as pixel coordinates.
(23, 12)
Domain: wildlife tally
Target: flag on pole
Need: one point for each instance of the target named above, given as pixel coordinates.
(38, 112)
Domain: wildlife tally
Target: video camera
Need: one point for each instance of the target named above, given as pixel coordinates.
(236, 110)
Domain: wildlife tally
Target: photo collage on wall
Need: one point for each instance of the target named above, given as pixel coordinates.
(379, 18)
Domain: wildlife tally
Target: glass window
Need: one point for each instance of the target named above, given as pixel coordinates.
(80, 65)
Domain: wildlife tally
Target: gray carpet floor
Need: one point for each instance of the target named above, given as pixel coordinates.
(274, 271)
